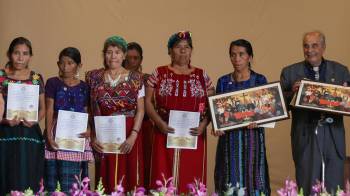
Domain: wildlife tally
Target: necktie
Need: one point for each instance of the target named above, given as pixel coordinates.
(317, 73)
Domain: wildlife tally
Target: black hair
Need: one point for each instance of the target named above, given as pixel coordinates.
(137, 47)
(113, 44)
(242, 43)
(72, 53)
(14, 43)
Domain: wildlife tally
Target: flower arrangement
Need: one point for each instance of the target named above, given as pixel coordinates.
(237, 190)
(81, 188)
(291, 189)
(29, 191)
(197, 188)
(165, 188)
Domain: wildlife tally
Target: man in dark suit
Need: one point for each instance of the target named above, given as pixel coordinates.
(318, 139)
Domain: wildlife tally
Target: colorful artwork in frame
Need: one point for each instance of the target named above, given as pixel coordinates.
(262, 104)
(323, 97)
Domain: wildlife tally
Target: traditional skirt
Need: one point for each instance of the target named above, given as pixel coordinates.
(21, 158)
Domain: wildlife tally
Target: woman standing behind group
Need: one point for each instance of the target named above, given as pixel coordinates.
(178, 86)
(65, 92)
(118, 91)
(21, 142)
(241, 153)
(134, 57)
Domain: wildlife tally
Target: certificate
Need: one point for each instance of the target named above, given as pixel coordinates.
(110, 132)
(69, 126)
(22, 101)
(182, 122)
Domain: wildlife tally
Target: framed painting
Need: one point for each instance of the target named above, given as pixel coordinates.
(323, 97)
(262, 104)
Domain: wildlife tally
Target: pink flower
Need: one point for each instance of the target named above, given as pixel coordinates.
(41, 190)
(290, 189)
(119, 190)
(317, 188)
(197, 188)
(347, 189)
(58, 194)
(85, 183)
(159, 183)
(16, 193)
(81, 188)
(166, 187)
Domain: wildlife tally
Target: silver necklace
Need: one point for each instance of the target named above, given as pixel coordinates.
(113, 83)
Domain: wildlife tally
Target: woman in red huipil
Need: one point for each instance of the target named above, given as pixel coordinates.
(178, 86)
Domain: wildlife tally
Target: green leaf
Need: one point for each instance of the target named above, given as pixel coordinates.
(100, 189)
(301, 192)
(58, 187)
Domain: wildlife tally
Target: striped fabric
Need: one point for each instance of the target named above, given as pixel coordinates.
(241, 158)
(87, 155)
(63, 172)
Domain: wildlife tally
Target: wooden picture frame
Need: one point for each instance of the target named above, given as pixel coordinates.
(323, 97)
(262, 104)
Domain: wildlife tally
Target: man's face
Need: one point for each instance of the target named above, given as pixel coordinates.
(313, 49)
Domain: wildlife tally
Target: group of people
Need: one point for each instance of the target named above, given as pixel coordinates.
(120, 88)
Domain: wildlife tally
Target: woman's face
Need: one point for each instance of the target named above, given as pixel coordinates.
(20, 57)
(114, 57)
(68, 67)
(240, 59)
(133, 59)
(181, 53)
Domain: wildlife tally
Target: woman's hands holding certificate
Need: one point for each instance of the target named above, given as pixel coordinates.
(127, 146)
(86, 134)
(14, 122)
(52, 144)
(199, 130)
(164, 128)
(96, 145)
(27, 123)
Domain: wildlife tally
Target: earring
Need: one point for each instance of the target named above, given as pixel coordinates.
(77, 74)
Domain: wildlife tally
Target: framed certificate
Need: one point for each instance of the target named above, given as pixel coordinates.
(69, 126)
(22, 101)
(261, 105)
(182, 122)
(110, 132)
(323, 97)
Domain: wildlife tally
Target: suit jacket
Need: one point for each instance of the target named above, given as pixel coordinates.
(304, 122)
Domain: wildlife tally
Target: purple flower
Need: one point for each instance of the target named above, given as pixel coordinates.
(197, 188)
(347, 188)
(290, 189)
(41, 190)
(317, 188)
(81, 188)
(119, 190)
(58, 194)
(16, 193)
(140, 191)
(166, 187)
